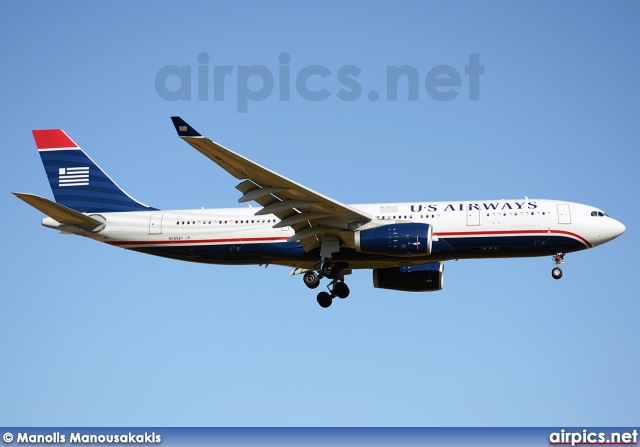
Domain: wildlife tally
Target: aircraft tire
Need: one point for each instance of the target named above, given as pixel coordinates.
(311, 280)
(329, 270)
(341, 290)
(556, 273)
(324, 299)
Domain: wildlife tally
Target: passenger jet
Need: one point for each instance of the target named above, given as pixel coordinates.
(405, 244)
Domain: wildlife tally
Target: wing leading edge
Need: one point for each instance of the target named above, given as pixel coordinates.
(313, 216)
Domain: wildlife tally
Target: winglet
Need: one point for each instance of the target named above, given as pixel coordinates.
(184, 129)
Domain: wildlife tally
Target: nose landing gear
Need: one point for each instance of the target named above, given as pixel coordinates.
(558, 259)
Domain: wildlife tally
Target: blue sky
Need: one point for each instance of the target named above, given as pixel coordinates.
(97, 336)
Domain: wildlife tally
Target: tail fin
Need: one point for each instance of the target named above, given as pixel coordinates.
(76, 180)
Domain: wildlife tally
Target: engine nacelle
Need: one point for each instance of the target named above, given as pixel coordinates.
(400, 239)
(413, 278)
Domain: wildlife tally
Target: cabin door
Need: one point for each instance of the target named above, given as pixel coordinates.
(155, 224)
(564, 215)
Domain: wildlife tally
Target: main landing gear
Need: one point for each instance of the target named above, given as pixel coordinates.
(337, 287)
(558, 259)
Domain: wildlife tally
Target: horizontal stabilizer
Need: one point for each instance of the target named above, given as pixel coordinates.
(58, 212)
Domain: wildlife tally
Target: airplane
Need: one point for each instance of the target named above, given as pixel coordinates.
(404, 244)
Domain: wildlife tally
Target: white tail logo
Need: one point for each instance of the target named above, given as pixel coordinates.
(73, 176)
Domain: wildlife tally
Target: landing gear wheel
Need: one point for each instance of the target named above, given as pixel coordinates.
(329, 270)
(324, 299)
(558, 259)
(341, 290)
(311, 279)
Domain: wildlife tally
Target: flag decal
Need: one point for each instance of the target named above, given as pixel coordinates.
(73, 176)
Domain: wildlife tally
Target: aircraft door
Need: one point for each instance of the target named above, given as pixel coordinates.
(473, 217)
(564, 214)
(155, 224)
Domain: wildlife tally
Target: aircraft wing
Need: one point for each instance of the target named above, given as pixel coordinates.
(311, 214)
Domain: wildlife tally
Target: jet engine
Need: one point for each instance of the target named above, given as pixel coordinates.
(414, 278)
(400, 239)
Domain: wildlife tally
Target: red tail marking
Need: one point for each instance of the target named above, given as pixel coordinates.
(52, 139)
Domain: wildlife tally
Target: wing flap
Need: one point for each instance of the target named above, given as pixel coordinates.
(259, 193)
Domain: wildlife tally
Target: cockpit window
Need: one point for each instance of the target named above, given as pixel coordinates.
(598, 213)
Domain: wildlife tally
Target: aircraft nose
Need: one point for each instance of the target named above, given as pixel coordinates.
(607, 230)
(612, 230)
(618, 228)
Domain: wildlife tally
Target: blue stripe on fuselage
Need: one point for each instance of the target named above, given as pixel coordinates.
(443, 249)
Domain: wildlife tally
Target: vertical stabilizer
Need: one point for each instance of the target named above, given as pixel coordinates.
(76, 180)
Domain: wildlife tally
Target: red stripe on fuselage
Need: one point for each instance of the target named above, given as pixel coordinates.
(275, 239)
(513, 233)
(200, 241)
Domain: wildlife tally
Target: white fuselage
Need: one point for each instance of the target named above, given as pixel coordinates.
(475, 229)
